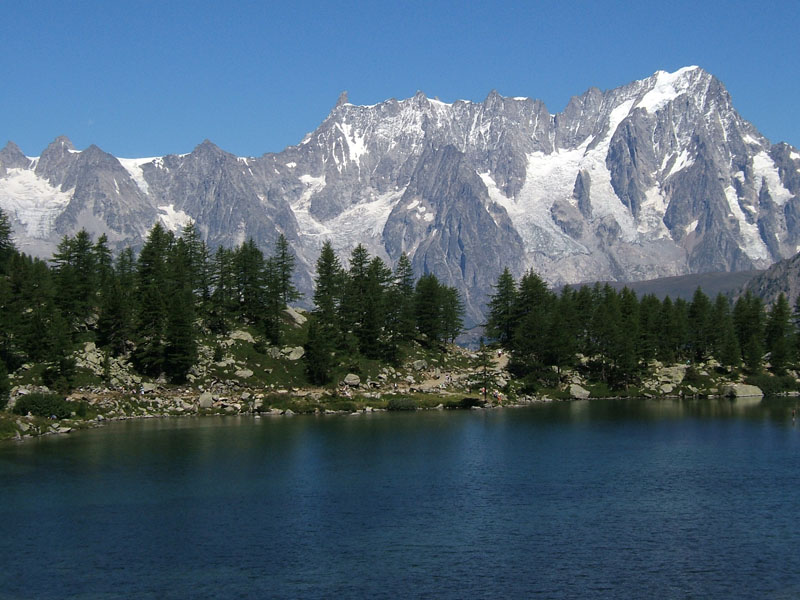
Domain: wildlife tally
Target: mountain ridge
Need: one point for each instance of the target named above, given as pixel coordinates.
(659, 177)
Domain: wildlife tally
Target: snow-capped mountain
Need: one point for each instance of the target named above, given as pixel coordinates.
(658, 177)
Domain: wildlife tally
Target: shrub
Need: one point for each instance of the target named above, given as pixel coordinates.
(466, 402)
(401, 404)
(43, 405)
(773, 384)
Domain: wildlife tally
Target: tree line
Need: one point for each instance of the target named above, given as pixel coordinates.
(613, 335)
(369, 310)
(149, 306)
(153, 306)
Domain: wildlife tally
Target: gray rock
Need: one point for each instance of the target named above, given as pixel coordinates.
(206, 400)
(243, 373)
(740, 390)
(577, 391)
(296, 353)
(352, 379)
(295, 315)
(420, 365)
(242, 336)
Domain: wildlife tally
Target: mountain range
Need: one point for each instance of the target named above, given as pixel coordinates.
(660, 177)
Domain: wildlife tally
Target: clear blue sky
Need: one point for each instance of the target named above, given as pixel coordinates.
(142, 78)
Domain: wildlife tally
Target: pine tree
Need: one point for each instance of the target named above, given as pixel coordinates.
(373, 340)
(76, 277)
(318, 350)
(180, 347)
(324, 331)
(700, 326)
(649, 309)
(5, 385)
(248, 269)
(198, 264)
(725, 346)
(402, 298)
(354, 303)
(428, 307)
(452, 313)
(103, 261)
(778, 335)
(500, 322)
(284, 268)
(328, 289)
(7, 248)
(43, 331)
(272, 302)
(561, 340)
(748, 320)
(152, 301)
(223, 301)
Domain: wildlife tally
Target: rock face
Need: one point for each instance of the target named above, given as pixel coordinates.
(781, 278)
(658, 177)
(741, 390)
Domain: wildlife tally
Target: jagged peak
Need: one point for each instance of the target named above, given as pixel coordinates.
(207, 146)
(61, 141)
(12, 147)
(342, 99)
(12, 156)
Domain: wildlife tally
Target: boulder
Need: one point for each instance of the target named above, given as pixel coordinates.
(352, 379)
(243, 373)
(296, 353)
(577, 391)
(149, 387)
(206, 400)
(420, 365)
(295, 316)
(740, 390)
(242, 336)
(673, 375)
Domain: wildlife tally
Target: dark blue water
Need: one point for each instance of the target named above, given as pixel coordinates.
(608, 499)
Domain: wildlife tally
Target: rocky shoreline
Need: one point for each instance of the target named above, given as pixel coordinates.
(231, 387)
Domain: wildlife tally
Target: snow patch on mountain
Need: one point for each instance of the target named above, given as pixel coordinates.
(32, 201)
(765, 170)
(666, 88)
(752, 244)
(355, 143)
(651, 215)
(174, 220)
(682, 161)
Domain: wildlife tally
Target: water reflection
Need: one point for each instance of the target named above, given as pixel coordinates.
(774, 408)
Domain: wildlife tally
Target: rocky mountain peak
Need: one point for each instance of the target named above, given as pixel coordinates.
(655, 178)
(11, 157)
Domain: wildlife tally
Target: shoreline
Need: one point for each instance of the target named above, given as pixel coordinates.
(109, 407)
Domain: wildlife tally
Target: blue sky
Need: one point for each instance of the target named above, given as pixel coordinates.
(142, 78)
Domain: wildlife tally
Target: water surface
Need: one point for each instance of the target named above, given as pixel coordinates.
(600, 499)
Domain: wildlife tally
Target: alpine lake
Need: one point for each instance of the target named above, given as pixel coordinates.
(581, 499)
